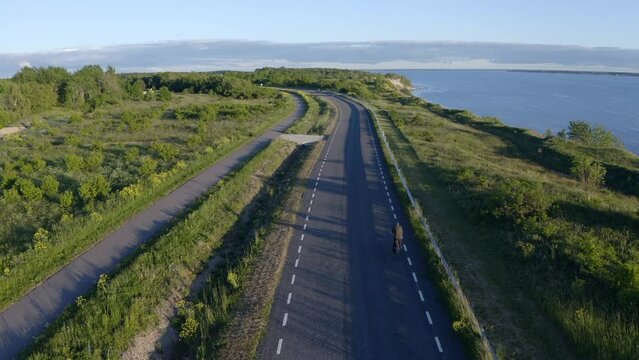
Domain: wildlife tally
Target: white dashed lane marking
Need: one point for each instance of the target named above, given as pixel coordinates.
(430, 321)
(293, 279)
(299, 249)
(302, 237)
(297, 262)
(439, 345)
(288, 299)
(285, 320)
(421, 296)
(414, 277)
(405, 249)
(410, 263)
(279, 346)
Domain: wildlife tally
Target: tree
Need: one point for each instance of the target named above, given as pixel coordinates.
(94, 188)
(520, 200)
(66, 200)
(50, 185)
(94, 161)
(73, 162)
(136, 89)
(591, 135)
(588, 171)
(164, 94)
(29, 190)
(148, 166)
(9, 175)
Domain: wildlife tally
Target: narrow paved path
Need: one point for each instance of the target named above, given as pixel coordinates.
(28, 317)
(343, 293)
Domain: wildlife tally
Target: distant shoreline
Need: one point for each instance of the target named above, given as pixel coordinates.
(576, 72)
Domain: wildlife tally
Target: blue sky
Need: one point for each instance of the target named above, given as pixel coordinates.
(33, 26)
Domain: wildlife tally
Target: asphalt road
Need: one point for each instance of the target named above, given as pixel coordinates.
(28, 317)
(343, 294)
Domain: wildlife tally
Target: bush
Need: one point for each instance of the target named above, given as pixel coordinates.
(50, 185)
(73, 162)
(520, 200)
(66, 200)
(94, 188)
(29, 190)
(588, 171)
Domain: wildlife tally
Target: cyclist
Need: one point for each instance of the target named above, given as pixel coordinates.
(398, 236)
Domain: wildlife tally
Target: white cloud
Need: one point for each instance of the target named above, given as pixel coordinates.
(247, 55)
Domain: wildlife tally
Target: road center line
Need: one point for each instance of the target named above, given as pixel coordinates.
(293, 279)
(439, 345)
(297, 262)
(299, 249)
(302, 237)
(285, 320)
(421, 296)
(304, 226)
(414, 277)
(410, 263)
(288, 299)
(430, 321)
(279, 346)
(405, 249)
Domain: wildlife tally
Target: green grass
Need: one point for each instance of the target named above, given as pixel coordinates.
(530, 280)
(104, 325)
(216, 305)
(316, 118)
(73, 230)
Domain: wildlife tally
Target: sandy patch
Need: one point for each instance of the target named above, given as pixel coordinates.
(11, 130)
(399, 85)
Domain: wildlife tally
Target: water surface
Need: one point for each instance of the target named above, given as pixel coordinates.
(537, 100)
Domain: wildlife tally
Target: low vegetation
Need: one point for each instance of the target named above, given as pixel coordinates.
(543, 231)
(87, 164)
(103, 323)
(504, 201)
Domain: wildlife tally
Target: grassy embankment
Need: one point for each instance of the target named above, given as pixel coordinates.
(241, 334)
(103, 323)
(142, 151)
(535, 251)
(548, 256)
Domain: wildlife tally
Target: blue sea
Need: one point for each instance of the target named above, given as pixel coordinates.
(537, 100)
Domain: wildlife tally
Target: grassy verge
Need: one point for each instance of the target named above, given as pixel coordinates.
(316, 118)
(103, 324)
(457, 305)
(528, 280)
(74, 235)
(241, 334)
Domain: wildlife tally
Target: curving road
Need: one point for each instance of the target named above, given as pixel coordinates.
(28, 317)
(343, 294)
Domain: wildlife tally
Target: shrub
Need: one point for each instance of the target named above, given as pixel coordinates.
(95, 187)
(50, 185)
(164, 94)
(148, 166)
(75, 119)
(165, 151)
(29, 190)
(520, 200)
(41, 239)
(73, 162)
(588, 171)
(66, 200)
